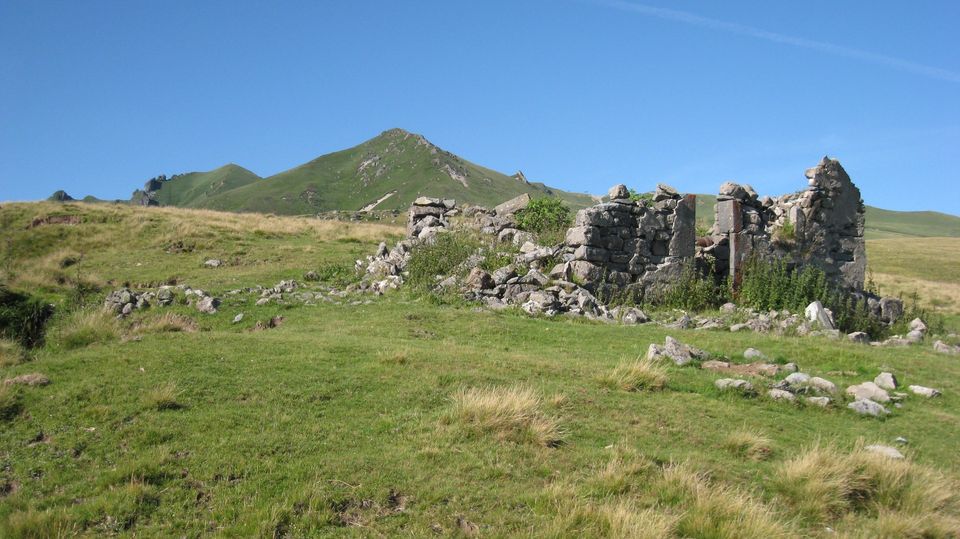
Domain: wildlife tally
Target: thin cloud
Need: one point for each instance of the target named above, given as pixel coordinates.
(739, 29)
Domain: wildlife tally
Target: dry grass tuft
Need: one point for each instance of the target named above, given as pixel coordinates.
(163, 397)
(637, 375)
(84, 328)
(511, 414)
(622, 474)
(166, 322)
(750, 444)
(865, 489)
(636, 498)
(11, 353)
(715, 510)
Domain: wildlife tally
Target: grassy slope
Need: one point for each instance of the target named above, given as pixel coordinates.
(926, 266)
(397, 161)
(194, 189)
(314, 424)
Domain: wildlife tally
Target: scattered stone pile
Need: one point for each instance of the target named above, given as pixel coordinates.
(867, 398)
(124, 301)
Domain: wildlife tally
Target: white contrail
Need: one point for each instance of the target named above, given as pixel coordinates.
(734, 28)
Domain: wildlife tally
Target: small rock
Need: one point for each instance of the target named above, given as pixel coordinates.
(914, 336)
(31, 379)
(868, 407)
(901, 440)
(618, 192)
(263, 301)
(728, 308)
(859, 337)
(780, 394)
(797, 378)
(822, 402)
(789, 367)
(213, 263)
(868, 390)
(917, 325)
(479, 280)
(724, 384)
(713, 365)
(884, 450)
(238, 318)
(945, 348)
(886, 380)
(208, 305)
(928, 392)
(753, 353)
(822, 384)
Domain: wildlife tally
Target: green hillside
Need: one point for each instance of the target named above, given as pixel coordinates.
(879, 223)
(194, 189)
(890, 224)
(394, 168)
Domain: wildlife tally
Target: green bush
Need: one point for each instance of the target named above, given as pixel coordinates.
(640, 197)
(692, 292)
(23, 318)
(439, 257)
(548, 218)
(339, 275)
(772, 285)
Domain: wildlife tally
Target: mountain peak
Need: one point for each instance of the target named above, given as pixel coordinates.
(397, 134)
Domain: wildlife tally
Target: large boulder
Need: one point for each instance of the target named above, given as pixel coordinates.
(817, 313)
(208, 305)
(513, 205)
(868, 390)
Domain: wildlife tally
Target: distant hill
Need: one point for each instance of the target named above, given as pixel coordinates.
(386, 172)
(195, 189)
(879, 223)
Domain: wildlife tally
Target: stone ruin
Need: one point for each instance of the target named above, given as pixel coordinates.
(821, 225)
(626, 243)
(634, 246)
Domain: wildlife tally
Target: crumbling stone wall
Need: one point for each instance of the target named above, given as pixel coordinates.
(625, 242)
(821, 225)
(429, 215)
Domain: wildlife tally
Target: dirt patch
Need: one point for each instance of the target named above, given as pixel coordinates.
(55, 220)
(32, 379)
(359, 513)
(274, 322)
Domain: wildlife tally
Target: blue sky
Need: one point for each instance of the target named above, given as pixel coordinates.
(96, 96)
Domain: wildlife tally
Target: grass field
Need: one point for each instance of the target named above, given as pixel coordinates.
(929, 267)
(407, 416)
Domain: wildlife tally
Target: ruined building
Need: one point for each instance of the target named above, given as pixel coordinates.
(637, 244)
(821, 225)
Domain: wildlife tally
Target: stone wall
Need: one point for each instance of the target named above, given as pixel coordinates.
(625, 242)
(429, 215)
(821, 225)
